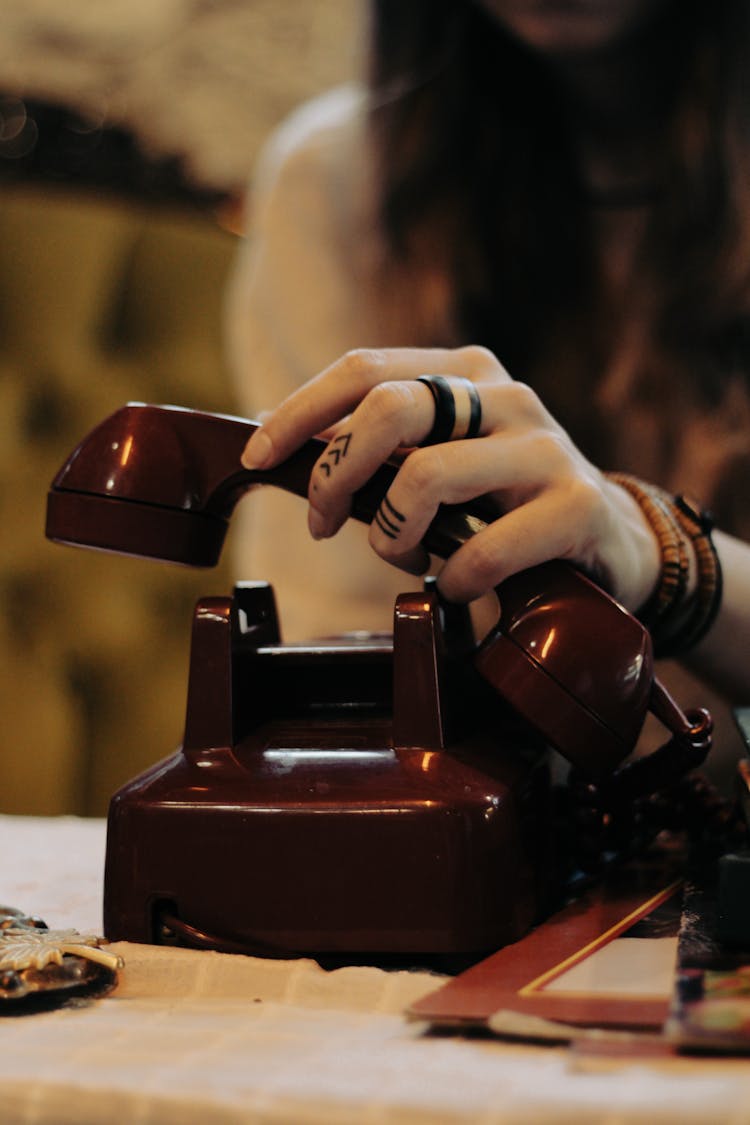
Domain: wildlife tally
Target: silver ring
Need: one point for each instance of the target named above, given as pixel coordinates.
(458, 409)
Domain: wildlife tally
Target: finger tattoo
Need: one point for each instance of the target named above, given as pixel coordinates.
(336, 451)
(389, 519)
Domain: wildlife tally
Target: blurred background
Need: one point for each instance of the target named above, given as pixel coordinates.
(128, 135)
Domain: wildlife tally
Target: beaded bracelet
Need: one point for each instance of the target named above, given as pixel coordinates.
(676, 621)
(698, 526)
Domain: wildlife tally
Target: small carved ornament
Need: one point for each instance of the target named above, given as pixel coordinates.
(43, 967)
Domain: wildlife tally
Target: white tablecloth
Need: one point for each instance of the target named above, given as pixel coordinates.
(195, 1037)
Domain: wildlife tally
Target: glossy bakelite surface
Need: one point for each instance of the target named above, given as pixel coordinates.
(325, 838)
(161, 456)
(159, 482)
(573, 662)
(318, 805)
(138, 529)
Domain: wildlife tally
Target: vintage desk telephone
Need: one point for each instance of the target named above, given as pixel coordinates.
(353, 797)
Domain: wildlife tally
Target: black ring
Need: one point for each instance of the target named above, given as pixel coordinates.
(475, 410)
(445, 409)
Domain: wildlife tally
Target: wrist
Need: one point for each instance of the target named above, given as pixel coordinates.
(637, 553)
(687, 594)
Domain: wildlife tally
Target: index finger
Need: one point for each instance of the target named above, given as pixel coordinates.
(335, 392)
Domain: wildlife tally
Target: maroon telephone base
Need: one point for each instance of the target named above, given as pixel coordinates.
(342, 798)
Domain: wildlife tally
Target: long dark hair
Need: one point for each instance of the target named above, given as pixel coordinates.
(478, 179)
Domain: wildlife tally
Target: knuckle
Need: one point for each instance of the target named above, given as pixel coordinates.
(361, 365)
(422, 472)
(548, 450)
(480, 360)
(524, 401)
(386, 402)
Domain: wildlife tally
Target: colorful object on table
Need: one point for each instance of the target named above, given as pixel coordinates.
(711, 1003)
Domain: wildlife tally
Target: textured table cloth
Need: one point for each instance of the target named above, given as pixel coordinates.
(195, 1037)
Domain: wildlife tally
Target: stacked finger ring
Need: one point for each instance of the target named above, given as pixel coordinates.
(458, 409)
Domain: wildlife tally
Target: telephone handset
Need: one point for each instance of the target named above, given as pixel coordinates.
(162, 481)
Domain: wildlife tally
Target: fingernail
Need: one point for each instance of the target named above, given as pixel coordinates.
(257, 453)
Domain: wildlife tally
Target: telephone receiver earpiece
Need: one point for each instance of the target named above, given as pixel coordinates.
(161, 482)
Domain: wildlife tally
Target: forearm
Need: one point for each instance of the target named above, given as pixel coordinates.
(723, 657)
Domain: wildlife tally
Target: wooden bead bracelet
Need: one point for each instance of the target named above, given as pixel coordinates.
(677, 617)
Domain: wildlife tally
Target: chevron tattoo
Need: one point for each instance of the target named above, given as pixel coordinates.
(336, 451)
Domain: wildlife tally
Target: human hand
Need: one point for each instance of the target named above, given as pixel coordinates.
(551, 502)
